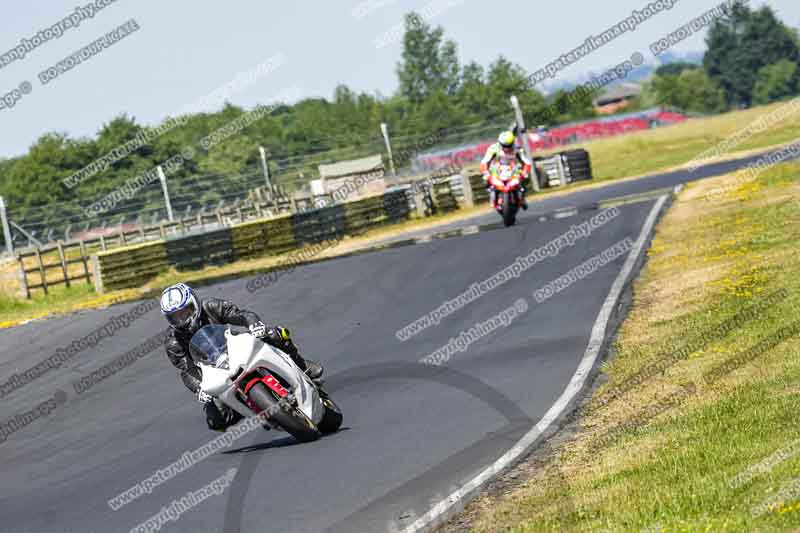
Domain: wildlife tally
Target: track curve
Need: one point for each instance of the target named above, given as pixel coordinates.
(412, 432)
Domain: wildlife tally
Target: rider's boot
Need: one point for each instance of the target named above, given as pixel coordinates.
(313, 369)
(283, 340)
(523, 201)
(220, 417)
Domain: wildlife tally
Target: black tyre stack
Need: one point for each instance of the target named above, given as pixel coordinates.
(577, 164)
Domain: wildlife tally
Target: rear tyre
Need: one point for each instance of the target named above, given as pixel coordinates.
(284, 415)
(509, 209)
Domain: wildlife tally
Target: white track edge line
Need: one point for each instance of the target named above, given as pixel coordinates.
(575, 385)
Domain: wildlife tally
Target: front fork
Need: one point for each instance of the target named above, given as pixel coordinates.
(493, 196)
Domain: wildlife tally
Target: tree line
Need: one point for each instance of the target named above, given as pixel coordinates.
(751, 59)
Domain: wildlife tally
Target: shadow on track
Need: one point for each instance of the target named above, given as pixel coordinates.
(518, 424)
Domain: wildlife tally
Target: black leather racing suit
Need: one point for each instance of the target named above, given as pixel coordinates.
(217, 311)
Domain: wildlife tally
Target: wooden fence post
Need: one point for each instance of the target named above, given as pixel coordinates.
(23, 277)
(98, 275)
(85, 264)
(466, 187)
(419, 203)
(42, 273)
(63, 260)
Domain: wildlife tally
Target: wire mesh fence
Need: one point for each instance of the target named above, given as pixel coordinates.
(193, 193)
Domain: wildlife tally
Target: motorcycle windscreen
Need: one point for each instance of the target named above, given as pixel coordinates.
(209, 345)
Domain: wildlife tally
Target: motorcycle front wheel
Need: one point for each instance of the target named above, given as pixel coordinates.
(332, 420)
(509, 209)
(284, 415)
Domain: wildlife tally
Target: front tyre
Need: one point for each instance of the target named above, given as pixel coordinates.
(332, 419)
(509, 209)
(284, 415)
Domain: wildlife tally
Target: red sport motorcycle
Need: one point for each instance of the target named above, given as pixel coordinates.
(505, 182)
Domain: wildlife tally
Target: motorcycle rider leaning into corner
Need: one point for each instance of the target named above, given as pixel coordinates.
(505, 148)
(186, 314)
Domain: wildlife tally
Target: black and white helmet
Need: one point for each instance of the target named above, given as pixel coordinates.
(181, 307)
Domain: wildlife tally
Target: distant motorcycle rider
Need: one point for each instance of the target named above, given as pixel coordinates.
(505, 149)
(186, 314)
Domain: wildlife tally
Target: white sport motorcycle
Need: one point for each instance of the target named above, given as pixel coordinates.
(251, 377)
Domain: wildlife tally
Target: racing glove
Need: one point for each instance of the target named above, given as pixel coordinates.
(279, 334)
(204, 397)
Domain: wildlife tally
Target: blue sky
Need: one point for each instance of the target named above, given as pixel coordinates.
(185, 50)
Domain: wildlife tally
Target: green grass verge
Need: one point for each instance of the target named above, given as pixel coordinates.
(672, 146)
(680, 440)
(59, 300)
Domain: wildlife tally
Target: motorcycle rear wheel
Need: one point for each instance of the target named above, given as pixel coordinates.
(284, 415)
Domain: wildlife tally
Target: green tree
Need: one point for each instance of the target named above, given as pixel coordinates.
(506, 79)
(675, 69)
(437, 113)
(795, 33)
(692, 90)
(451, 69)
(740, 45)
(35, 180)
(428, 64)
(472, 94)
(775, 82)
(648, 97)
(700, 93)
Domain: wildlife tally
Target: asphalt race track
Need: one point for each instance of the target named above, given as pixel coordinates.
(412, 434)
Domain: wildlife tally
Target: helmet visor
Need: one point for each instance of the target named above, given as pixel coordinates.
(181, 317)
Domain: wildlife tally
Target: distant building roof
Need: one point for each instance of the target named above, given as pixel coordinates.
(619, 92)
(352, 167)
